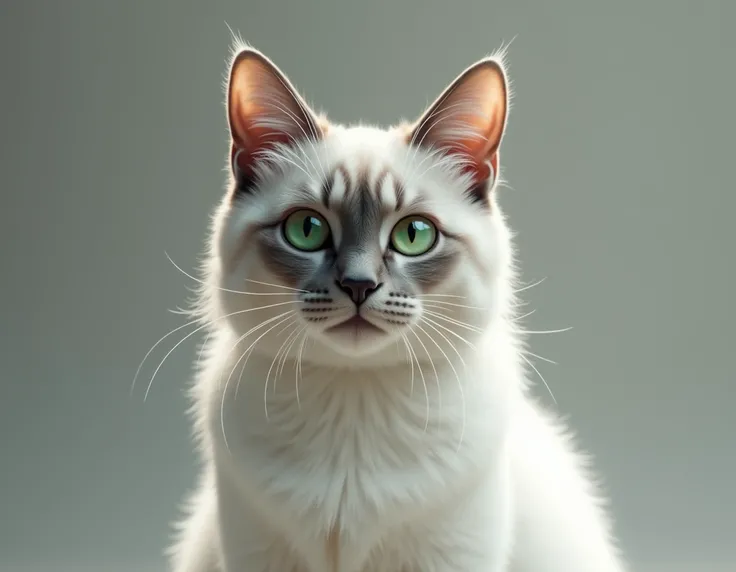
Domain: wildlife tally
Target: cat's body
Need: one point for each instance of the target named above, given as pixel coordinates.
(405, 444)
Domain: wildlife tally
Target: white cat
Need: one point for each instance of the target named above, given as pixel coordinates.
(362, 405)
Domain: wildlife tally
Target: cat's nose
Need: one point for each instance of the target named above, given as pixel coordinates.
(358, 288)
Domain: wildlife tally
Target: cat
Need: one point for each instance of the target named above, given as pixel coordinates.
(362, 403)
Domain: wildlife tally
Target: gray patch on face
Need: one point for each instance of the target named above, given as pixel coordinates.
(430, 271)
(292, 267)
(326, 189)
(359, 254)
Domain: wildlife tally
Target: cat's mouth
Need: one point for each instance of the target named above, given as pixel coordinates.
(356, 325)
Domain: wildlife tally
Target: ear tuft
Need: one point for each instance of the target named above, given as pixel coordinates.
(264, 110)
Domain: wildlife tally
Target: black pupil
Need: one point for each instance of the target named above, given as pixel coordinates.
(309, 222)
(412, 231)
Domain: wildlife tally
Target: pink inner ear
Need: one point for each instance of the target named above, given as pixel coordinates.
(485, 170)
(240, 160)
(248, 138)
(263, 110)
(468, 119)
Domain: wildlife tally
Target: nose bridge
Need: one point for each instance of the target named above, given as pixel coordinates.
(359, 254)
(356, 262)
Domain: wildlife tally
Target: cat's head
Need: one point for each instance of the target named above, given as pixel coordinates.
(352, 239)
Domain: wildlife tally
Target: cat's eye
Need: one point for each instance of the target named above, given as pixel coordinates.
(306, 230)
(413, 236)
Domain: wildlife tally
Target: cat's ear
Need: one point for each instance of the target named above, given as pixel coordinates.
(468, 119)
(263, 110)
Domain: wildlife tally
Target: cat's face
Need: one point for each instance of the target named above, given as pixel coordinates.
(349, 240)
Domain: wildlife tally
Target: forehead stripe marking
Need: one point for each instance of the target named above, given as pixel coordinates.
(327, 186)
(386, 188)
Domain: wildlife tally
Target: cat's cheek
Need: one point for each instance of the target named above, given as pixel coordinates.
(288, 267)
(429, 273)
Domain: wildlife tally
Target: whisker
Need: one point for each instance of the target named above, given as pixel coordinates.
(531, 365)
(434, 306)
(455, 305)
(242, 369)
(288, 314)
(530, 286)
(298, 372)
(540, 357)
(185, 338)
(154, 346)
(458, 336)
(421, 296)
(180, 312)
(277, 286)
(561, 331)
(410, 360)
(185, 273)
(246, 352)
(424, 382)
(447, 340)
(245, 335)
(523, 316)
(436, 375)
(276, 358)
(205, 325)
(457, 377)
(285, 356)
(470, 327)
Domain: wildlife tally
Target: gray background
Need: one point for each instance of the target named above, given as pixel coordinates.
(620, 151)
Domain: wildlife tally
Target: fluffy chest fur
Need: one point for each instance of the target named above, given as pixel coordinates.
(354, 461)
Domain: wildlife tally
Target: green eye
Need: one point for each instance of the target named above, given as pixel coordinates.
(413, 236)
(306, 230)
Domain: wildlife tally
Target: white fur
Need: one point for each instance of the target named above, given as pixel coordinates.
(371, 462)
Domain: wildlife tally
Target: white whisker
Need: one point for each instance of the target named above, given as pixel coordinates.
(277, 286)
(246, 353)
(523, 316)
(198, 329)
(411, 361)
(530, 364)
(532, 332)
(422, 296)
(436, 375)
(298, 368)
(454, 321)
(530, 286)
(447, 340)
(457, 377)
(185, 273)
(540, 357)
(285, 356)
(154, 346)
(276, 359)
(424, 382)
(458, 336)
(242, 369)
(453, 305)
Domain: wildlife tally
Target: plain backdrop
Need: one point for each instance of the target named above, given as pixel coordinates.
(620, 152)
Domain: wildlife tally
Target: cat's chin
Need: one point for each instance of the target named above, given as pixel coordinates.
(355, 338)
